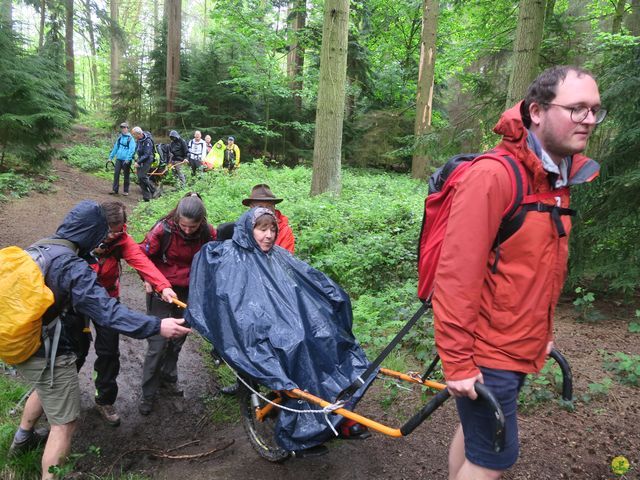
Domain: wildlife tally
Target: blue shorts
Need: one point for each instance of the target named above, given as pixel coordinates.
(478, 422)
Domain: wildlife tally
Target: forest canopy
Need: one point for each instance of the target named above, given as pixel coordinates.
(423, 80)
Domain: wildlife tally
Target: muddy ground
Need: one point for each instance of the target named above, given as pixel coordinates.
(555, 443)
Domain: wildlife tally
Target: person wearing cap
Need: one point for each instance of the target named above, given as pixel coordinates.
(262, 196)
(122, 155)
(231, 155)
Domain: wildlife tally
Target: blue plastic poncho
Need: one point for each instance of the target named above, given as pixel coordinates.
(280, 322)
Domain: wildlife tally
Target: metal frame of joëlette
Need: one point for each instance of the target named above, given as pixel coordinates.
(484, 395)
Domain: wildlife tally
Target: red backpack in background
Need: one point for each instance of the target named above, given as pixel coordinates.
(438, 205)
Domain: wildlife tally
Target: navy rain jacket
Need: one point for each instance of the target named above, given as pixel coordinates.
(145, 149)
(279, 322)
(75, 285)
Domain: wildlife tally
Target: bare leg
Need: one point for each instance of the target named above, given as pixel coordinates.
(57, 448)
(32, 412)
(456, 453)
(462, 469)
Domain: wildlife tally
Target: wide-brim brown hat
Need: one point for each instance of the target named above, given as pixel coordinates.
(261, 193)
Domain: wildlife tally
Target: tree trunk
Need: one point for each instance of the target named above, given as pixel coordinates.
(526, 49)
(114, 77)
(426, 75)
(6, 12)
(93, 59)
(634, 18)
(69, 59)
(174, 18)
(43, 12)
(577, 48)
(618, 16)
(295, 57)
(327, 146)
(548, 14)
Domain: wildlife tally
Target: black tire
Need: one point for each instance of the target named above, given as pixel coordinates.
(261, 433)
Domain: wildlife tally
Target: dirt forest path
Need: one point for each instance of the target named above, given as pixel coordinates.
(555, 443)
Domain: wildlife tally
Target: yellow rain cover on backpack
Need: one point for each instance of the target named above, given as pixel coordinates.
(24, 298)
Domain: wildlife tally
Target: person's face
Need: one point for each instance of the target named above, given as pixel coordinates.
(207, 139)
(558, 133)
(197, 135)
(229, 143)
(265, 236)
(261, 203)
(115, 231)
(188, 226)
(137, 135)
(124, 130)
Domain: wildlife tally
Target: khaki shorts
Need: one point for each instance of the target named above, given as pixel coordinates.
(60, 401)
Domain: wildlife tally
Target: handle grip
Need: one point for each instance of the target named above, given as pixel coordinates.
(484, 395)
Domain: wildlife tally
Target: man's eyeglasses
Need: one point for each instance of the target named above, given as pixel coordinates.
(579, 114)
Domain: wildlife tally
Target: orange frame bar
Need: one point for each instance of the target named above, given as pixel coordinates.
(372, 424)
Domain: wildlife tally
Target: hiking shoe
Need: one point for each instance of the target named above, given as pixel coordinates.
(230, 389)
(38, 437)
(109, 414)
(145, 407)
(113, 192)
(126, 194)
(171, 389)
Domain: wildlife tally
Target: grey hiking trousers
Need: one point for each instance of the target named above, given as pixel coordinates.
(161, 360)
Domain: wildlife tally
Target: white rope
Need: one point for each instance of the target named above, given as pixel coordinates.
(325, 411)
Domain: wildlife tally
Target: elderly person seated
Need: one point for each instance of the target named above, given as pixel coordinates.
(276, 321)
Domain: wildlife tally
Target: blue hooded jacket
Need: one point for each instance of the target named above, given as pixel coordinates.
(124, 148)
(75, 285)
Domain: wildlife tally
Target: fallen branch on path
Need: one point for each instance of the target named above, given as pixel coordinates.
(154, 452)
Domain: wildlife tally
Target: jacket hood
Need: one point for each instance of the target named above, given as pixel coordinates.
(514, 141)
(85, 225)
(174, 134)
(243, 231)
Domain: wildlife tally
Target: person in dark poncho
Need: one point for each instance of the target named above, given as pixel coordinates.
(276, 321)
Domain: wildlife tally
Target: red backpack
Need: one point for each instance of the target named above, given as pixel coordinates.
(438, 205)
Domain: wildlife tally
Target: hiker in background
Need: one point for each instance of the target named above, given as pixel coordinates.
(76, 295)
(262, 196)
(118, 245)
(495, 325)
(145, 151)
(178, 152)
(197, 152)
(122, 155)
(231, 155)
(171, 245)
(207, 140)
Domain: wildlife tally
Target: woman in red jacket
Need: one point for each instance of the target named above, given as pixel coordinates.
(119, 245)
(171, 245)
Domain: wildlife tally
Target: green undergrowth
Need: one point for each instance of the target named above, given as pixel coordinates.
(26, 466)
(18, 184)
(542, 387)
(91, 157)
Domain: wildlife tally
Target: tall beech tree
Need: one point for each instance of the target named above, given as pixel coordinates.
(114, 39)
(173, 14)
(69, 58)
(426, 76)
(327, 148)
(526, 49)
(295, 55)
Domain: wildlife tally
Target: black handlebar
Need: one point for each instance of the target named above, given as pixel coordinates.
(484, 395)
(567, 376)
